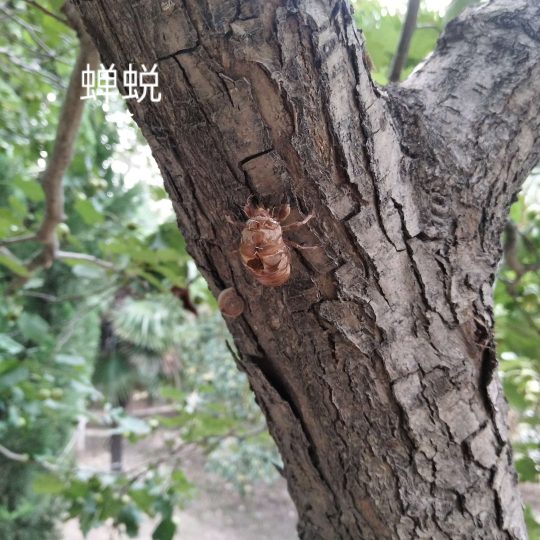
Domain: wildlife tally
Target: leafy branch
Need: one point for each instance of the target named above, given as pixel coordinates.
(511, 256)
(58, 164)
(513, 261)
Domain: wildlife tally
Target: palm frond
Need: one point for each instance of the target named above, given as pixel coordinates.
(148, 323)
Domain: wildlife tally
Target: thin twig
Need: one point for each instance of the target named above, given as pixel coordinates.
(527, 316)
(49, 13)
(69, 445)
(67, 332)
(402, 50)
(530, 246)
(66, 297)
(18, 240)
(6, 253)
(431, 26)
(87, 258)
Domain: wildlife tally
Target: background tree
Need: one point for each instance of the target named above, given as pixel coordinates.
(375, 363)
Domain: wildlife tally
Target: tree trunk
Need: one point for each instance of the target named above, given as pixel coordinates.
(117, 452)
(117, 441)
(375, 363)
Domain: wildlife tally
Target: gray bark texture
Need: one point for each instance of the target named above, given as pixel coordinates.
(375, 363)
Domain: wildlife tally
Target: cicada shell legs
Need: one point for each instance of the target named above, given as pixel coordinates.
(297, 224)
(298, 246)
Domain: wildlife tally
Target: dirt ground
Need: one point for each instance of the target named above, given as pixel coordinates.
(217, 512)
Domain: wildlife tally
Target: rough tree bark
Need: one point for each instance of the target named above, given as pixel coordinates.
(375, 363)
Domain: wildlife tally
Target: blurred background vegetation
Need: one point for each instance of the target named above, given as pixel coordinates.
(92, 344)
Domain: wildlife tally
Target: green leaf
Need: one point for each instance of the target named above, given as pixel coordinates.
(88, 519)
(142, 499)
(89, 271)
(14, 266)
(32, 189)
(14, 377)
(48, 484)
(76, 488)
(158, 193)
(118, 248)
(33, 327)
(165, 530)
(526, 469)
(533, 525)
(56, 5)
(130, 517)
(174, 421)
(170, 392)
(10, 345)
(181, 483)
(9, 221)
(70, 359)
(8, 365)
(88, 212)
(34, 283)
(514, 396)
(134, 425)
(170, 274)
(533, 421)
(18, 206)
(151, 279)
(456, 7)
(166, 255)
(517, 209)
(74, 241)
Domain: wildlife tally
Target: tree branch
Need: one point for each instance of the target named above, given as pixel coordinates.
(472, 123)
(60, 160)
(407, 32)
(510, 248)
(66, 135)
(479, 109)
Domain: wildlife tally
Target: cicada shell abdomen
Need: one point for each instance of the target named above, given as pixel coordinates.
(263, 251)
(265, 254)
